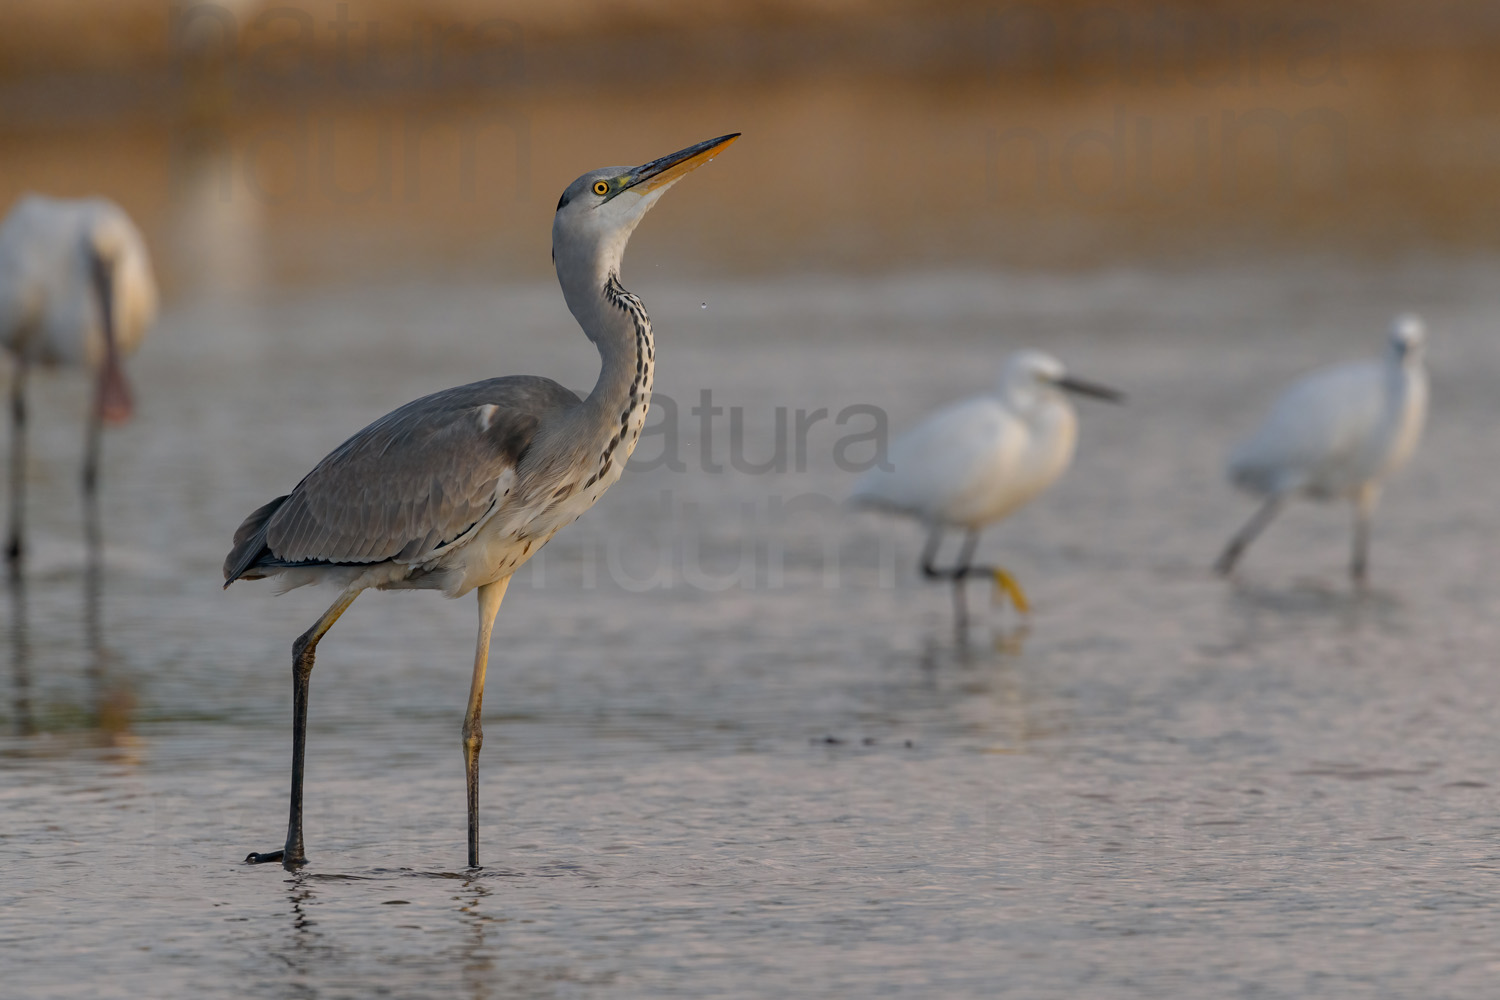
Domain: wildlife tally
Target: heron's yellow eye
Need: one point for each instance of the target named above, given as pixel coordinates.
(601, 188)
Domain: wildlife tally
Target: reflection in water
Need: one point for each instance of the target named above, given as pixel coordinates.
(215, 236)
(1262, 612)
(305, 949)
(977, 688)
(113, 699)
(110, 699)
(20, 654)
(300, 895)
(1011, 641)
(1006, 641)
(964, 651)
(478, 968)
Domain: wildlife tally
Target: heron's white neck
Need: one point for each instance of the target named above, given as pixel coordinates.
(611, 418)
(608, 424)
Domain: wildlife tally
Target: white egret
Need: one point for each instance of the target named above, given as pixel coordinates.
(978, 460)
(454, 491)
(76, 290)
(1336, 434)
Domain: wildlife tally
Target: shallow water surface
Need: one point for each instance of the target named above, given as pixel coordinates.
(733, 746)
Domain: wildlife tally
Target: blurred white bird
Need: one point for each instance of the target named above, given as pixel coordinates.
(76, 289)
(978, 460)
(1336, 434)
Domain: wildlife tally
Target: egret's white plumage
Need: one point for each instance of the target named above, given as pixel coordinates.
(49, 312)
(1336, 434)
(76, 290)
(978, 460)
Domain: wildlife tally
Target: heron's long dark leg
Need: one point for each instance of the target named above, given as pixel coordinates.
(303, 651)
(13, 545)
(1364, 508)
(1252, 529)
(490, 596)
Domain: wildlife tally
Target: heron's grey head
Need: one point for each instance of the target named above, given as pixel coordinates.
(1027, 372)
(1408, 337)
(598, 212)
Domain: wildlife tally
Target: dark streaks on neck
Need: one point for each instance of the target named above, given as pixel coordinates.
(639, 398)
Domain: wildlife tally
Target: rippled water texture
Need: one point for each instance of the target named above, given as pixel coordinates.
(733, 745)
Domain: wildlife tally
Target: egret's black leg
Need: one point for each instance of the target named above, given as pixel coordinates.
(303, 652)
(14, 544)
(929, 553)
(932, 572)
(490, 596)
(1360, 563)
(964, 569)
(92, 535)
(961, 574)
(1364, 509)
(92, 436)
(1252, 529)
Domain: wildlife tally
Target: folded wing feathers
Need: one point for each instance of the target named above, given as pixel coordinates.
(412, 481)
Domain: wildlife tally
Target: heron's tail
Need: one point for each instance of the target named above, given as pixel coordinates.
(249, 541)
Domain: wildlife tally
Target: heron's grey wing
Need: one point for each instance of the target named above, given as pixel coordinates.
(408, 484)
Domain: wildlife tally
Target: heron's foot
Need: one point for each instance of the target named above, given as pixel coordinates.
(1007, 585)
(260, 859)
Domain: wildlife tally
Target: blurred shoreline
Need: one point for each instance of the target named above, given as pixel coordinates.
(275, 143)
(264, 49)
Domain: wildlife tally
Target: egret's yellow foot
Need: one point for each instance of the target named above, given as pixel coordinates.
(1005, 583)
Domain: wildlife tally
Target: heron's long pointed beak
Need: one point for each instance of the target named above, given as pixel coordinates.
(663, 171)
(1093, 389)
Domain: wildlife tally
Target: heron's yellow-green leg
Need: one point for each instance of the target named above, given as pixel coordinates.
(490, 596)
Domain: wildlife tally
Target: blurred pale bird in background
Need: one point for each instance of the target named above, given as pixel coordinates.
(76, 290)
(1336, 434)
(978, 460)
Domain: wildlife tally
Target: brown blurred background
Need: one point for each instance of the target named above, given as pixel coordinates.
(262, 143)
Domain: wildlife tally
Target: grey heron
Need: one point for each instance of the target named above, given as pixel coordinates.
(76, 290)
(454, 491)
(978, 460)
(1336, 434)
